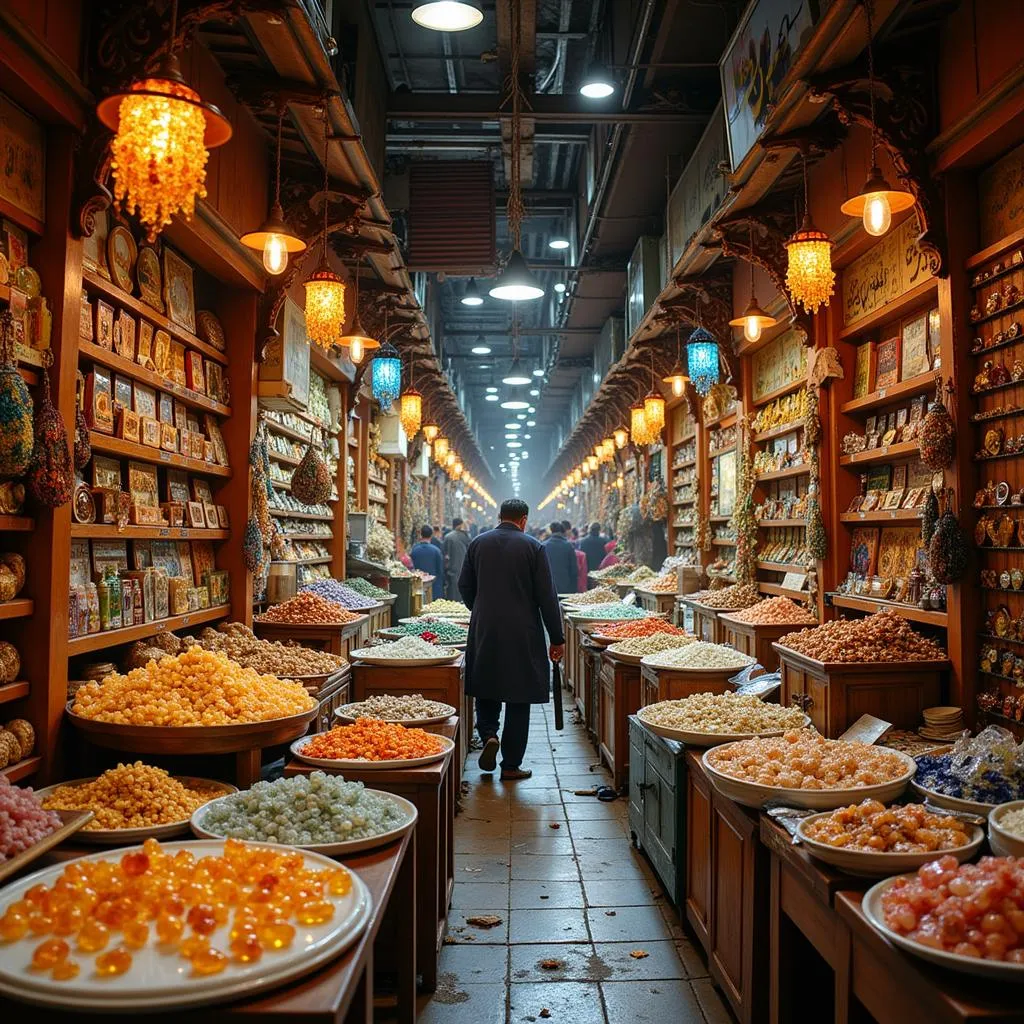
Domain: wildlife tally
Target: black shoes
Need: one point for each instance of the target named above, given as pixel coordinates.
(489, 755)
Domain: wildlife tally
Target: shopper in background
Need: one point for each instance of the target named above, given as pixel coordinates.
(568, 531)
(562, 559)
(506, 581)
(456, 543)
(436, 539)
(593, 546)
(610, 557)
(581, 571)
(427, 557)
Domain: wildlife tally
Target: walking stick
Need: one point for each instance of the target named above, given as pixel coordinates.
(556, 696)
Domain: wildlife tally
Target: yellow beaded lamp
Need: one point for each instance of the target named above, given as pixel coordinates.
(809, 275)
(637, 424)
(621, 437)
(441, 449)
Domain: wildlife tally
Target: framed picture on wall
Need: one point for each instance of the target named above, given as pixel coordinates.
(179, 292)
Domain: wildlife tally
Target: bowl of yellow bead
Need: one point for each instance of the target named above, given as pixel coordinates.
(194, 923)
(133, 802)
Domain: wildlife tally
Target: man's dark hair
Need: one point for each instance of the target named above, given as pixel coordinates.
(513, 509)
(456, 523)
(595, 529)
(426, 531)
(566, 526)
(556, 527)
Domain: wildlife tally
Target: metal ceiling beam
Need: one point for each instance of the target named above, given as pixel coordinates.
(457, 332)
(477, 107)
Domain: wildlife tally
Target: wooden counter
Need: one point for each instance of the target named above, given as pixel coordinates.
(836, 694)
(705, 621)
(433, 788)
(676, 683)
(334, 639)
(591, 657)
(755, 639)
(662, 604)
(618, 698)
(572, 663)
(727, 891)
(342, 992)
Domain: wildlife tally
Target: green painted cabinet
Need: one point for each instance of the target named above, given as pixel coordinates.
(657, 793)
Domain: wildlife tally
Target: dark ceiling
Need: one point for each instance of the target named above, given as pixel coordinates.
(596, 172)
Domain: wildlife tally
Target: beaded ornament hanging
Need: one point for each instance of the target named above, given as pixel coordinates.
(929, 516)
(937, 435)
(16, 435)
(83, 449)
(51, 478)
(947, 552)
(311, 481)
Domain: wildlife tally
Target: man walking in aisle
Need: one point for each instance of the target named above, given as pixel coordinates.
(593, 546)
(562, 559)
(427, 557)
(506, 582)
(456, 543)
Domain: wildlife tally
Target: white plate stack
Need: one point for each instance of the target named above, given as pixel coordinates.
(942, 724)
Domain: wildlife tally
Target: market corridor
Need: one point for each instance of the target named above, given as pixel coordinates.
(574, 902)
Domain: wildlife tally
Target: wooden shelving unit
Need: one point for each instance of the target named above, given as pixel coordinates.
(719, 444)
(683, 482)
(115, 637)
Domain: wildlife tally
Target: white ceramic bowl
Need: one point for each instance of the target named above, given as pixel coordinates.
(952, 802)
(1003, 843)
(880, 865)
(711, 739)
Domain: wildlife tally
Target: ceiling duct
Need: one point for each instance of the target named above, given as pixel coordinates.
(451, 217)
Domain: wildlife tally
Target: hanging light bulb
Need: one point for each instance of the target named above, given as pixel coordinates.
(450, 459)
(702, 360)
(753, 319)
(430, 431)
(447, 15)
(357, 341)
(577, 476)
(516, 375)
(654, 416)
(516, 283)
(274, 238)
(597, 83)
(608, 444)
(441, 449)
(621, 435)
(809, 275)
(472, 296)
(163, 132)
(585, 468)
(411, 412)
(637, 424)
(456, 470)
(592, 462)
(325, 291)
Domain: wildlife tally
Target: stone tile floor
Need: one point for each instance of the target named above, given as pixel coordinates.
(578, 894)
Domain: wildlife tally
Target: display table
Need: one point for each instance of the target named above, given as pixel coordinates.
(836, 694)
(380, 617)
(657, 815)
(705, 621)
(727, 891)
(661, 604)
(433, 788)
(591, 657)
(333, 639)
(755, 639)
(618, 698)
(332, 694)
(344, 991)
(676, 683)
(572, 663)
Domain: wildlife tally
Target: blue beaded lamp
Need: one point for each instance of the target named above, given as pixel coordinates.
(386, 375)
(702, 360)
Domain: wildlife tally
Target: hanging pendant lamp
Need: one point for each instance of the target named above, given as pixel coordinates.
(621, 435)
(472, 296)
(357, 341)
(447, 15)
(637, 425)
(325, 291)
(809, 275)
(877, 201)
(410, 407)
(702, 360)
(430, 431)
(753, 319)
(654, 410)
(386, 375)
(441, 449)
(677, 378)
(274, 238)
(516, 283)
(163, 132)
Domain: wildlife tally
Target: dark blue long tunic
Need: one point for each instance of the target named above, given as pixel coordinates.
(506, 581)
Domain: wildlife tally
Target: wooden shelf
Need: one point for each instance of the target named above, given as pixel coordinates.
(899, 450)
(20, 524)
(779, 524)
(1005, 415)
(918, 385)
(721, 542)
(909, 515)
(22, 769)
(907, 611)
(13, 691)
(379, 480)
(143, 453)
(714, 453)
(998, 458)
(282, 514)
(115, 637)
(94, 283)
(283, 431)
(312, 561)
(287, 460)
(308, 536)
(786, 428)
(993, 388)
(995, 346)
(685, 465)
(719, 519)
(782, 566)
(777, 590)
(108, 358)
(724, 418)
(19, 608)
(909, 301)
(110, 531)
(990, 252)
(803, 469)
(786, 389)
(1002, 311)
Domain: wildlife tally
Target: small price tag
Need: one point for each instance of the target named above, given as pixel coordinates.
(165, 456)
(867, 729)
(882, 392)
(794, 580)
(165, 533)
(186, 620)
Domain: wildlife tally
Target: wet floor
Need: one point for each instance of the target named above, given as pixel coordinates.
(555, 916)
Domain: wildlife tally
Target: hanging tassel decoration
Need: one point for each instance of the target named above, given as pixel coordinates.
(252, 545)
(17, 444)
(938, 433)
(817, 538)
(83, 449)
(51, 478)
(929, 516)
(947, 552)
(311, 481)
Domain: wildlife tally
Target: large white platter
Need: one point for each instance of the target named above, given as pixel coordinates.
(344, 716)
(158, 981)
(330, 849)
(1003, 843)
(458, 619)
(651, 661)
(366, 655)
(952, 802)
(752, 794)
(368, 766)
(130, 836)
(879, 865)
(710, 739)
(872, 907)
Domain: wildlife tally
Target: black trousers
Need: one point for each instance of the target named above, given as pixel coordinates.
(515, 733)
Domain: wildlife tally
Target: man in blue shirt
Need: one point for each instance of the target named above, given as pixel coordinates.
(428, 558)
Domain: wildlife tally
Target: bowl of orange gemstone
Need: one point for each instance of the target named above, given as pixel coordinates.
(195, 923)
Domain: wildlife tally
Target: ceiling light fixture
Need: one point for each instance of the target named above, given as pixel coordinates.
(274, 238)
(677, 378)
(559, 287)
(357, 341)
(471, 296)
(481, 350)
(809, 275)
(430, 431)
(447, 15)
(597, 83)
(531, 423)
(520, 415)
(877, 200)
(513, 404)
(513, 444)
(559, 243)
(513, 426)
(386, 375)
(490, 398)
(516, 282)
(753, 319)
(163, 132)
(516, 376)
(702, 360)
(538, 372)
(491, 390)
(534, 393)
